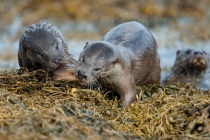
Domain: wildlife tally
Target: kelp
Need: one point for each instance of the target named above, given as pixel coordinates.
(34, 106)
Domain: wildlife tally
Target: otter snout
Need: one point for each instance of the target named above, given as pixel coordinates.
(82, 74)
(199, 60)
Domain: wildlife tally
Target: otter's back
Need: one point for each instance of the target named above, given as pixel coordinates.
(139, 40)
(131, 35)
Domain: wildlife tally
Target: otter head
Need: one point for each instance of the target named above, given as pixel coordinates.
(42, 49)
(97, 61)
(191, 62)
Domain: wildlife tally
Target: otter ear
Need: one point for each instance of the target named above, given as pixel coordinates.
(115, 61)
(87, 45)
(204, 52)
(26, 48)
(177, 52)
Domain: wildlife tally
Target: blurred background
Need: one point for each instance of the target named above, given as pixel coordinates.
(175, 24)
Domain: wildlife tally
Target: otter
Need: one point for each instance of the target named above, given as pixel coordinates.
(189, 67)
(42, 46)
(127, 56)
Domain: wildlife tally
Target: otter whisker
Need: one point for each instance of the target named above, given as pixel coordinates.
(91, 86)
(110, 82)
(102, 82)
(88, 86)
(98, 84)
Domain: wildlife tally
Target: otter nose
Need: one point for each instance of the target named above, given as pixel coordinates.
(82, 74)
(197, 53)
(57, 61)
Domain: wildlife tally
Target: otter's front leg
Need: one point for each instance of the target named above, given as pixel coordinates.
(126, 88)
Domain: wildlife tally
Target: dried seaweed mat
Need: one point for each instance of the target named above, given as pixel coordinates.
(33, 106)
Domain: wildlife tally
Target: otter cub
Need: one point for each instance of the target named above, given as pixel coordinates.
(127, 56)
(190, 66)
(42, 46)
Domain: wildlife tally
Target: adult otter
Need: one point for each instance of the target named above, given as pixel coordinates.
(190, 66)
(127, 56)
(42, 46)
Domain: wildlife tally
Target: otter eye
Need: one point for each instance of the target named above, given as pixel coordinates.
(56, 47)
(41, 55)
(188, 52)
(97, 69)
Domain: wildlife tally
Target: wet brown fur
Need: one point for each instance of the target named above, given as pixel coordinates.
(189, 67)
(126, 57)
(42, 46)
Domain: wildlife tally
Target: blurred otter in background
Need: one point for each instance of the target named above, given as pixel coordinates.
(190, 67)
(42, 46)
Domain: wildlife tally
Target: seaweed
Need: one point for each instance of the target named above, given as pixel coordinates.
(34, 106)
